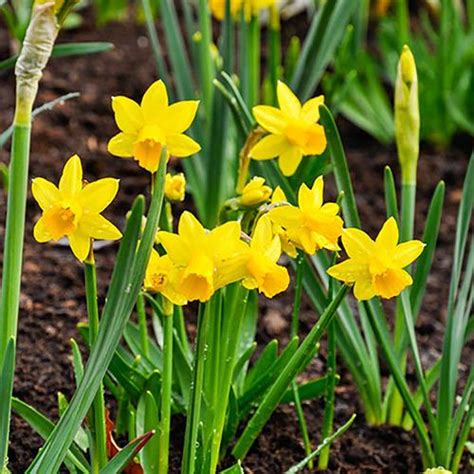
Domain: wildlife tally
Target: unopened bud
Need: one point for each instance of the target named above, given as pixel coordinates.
(407, 116)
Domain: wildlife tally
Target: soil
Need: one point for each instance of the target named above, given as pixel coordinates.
(53, 302)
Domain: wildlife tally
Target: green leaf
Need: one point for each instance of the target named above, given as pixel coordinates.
(121, 460)
(327, 441)
(325, 34)
(43, 426)
(147, 420)
(308, 390)
(287, 374)
(390, 194)
(7, 370)
(235, 469)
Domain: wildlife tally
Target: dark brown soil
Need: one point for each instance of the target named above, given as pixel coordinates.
(53, 296)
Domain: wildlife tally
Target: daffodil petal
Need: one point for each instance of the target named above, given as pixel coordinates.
(287, 100)
(357, 244)
(287, 216)
(349, 271)
(175, 246)
(228, 232)
(262, 235)
(189, 226)
(40, 232)
(180, 116)
(96, 196)
(98, 227)
(122, 145)
(289, 160)
(181, 145)
(407, 252)
(71, 179)
(80, 245)
(155, 102)
(128, 115)
(273, 120)
(388, 235)
(269, 147)
(310, 109)
(45, 193)
(363, 289)
(278, 195)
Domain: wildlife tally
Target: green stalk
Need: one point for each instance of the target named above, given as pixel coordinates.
(253, 31)
(34, 55)
(194, 411)
(294, 332)
(330, 396)
(166, 387)
(275, 51)
(142, 325)
(230, 336)
(99, 458)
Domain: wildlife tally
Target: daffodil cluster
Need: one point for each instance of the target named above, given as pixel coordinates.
(198, 262)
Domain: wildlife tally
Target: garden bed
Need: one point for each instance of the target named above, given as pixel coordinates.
(53, 299)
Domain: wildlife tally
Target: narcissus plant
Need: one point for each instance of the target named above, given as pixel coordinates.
(293, 130)
(377, 267)
(151, 125)
(73, 209)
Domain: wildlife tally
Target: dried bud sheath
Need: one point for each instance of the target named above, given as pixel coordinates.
(35, 53)
(407, 116)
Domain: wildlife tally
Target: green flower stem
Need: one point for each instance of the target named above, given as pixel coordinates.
(166, 386)
(142, 325)
(36, 50)
(194, 411)
(253, 31)
(230, 337)
(330, 396)
(294, 332)
(98, 406)
(275, 50)
(407, 223)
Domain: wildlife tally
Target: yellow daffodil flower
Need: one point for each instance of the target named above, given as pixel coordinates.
(153, 124)
(255, 192)
(287, 246)
(217, 8)
(175, 187)
(200, 255)
(312, 225)
(162, 277)
(376, 267)
(262, 270)
(73, 210)
(293, 131)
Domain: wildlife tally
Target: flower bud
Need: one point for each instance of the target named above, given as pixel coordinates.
(407, 116)
(255, 193)
(175, 187)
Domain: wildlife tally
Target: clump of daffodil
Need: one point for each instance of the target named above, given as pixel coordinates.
(376, 268)
(293, 131)
(261, 268)
(162, 277)
(175, 187)
(151, 125)
(255, 192)
(279, 197)
(202, 257)
(73, 210)
(313, 224)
